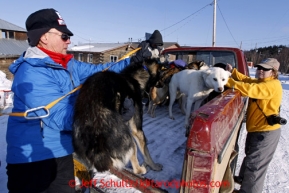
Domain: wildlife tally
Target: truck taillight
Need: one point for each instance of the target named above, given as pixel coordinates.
(197, 171)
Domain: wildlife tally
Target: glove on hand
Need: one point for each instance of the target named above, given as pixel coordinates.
(142, 54)
(127, 111)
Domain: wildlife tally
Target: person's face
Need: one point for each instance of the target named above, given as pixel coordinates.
(57, 41)
(263, 72)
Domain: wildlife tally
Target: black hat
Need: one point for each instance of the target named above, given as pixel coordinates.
(156, 38)
(40, 22)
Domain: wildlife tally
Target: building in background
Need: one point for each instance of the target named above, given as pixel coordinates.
(13, 42)
(100, 53)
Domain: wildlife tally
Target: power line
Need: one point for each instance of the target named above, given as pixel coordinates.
(227, 25)
(186, 17)
(181, 20)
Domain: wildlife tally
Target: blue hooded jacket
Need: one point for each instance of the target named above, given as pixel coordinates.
(38, 81)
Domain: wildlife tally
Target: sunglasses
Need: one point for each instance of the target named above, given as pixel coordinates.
(264, 69)
(64, 37)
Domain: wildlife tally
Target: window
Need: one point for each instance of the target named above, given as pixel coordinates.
(80, 57)
(4, 34)
(209, 57)
(113, 58)
(11, 35)
(89, 58)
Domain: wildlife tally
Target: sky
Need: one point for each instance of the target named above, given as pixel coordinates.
(168, 149)
(245, 24)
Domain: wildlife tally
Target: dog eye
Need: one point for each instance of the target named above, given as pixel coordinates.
(223, 79)
(215, 79)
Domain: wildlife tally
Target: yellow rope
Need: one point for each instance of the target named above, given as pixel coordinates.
(47, 107)
(130, 53)
(126, 55)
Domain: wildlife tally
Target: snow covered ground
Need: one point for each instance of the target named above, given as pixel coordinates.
(277, 179)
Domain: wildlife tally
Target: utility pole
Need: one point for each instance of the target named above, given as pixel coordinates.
(214, 24)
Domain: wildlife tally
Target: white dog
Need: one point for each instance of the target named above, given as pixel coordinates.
(196, 85)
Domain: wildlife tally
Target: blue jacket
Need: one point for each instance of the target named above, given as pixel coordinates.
(38, 81)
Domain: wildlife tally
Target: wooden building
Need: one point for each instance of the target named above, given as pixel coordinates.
(98, 53)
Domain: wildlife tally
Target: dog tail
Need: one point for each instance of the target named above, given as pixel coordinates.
(102, 138)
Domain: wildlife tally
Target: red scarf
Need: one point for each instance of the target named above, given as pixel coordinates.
(57, 57)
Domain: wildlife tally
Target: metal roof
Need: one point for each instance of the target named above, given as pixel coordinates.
(9, 26)
(97, 47)
(11, 47)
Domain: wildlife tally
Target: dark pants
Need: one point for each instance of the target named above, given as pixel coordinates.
(47, 176)
(259, 149)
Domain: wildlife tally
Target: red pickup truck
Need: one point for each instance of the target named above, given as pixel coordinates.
(209, 147)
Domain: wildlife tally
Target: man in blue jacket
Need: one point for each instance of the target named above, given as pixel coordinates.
(39, 151)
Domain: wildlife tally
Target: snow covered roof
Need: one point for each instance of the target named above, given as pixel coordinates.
(97, 47)
(9, 26)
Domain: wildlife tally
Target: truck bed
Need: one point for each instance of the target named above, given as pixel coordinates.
(167, 143)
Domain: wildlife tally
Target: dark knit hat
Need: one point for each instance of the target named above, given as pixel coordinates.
(40, 22)
(156, 38)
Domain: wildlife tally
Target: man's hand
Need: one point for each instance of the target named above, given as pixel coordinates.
(229, 67)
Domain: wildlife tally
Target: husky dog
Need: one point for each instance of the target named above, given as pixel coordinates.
(196, 85)
(159, 93)
(100, 136)
(198, 65)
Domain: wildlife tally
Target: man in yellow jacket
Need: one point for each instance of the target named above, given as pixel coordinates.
(263, 122)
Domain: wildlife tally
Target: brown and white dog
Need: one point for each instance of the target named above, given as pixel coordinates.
(197, 65)
(159, 93)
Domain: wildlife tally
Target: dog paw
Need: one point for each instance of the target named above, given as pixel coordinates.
(171, 117)
(154, 166)
(140, 170)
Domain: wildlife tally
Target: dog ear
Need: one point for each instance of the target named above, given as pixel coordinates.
(202, 63)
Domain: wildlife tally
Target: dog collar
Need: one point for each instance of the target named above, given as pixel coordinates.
(144, 67)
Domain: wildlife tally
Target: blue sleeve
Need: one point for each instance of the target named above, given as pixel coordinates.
(35, 87)
(84, 70)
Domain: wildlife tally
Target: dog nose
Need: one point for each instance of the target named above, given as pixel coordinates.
(220, 89)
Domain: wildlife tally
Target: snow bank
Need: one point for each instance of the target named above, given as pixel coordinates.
(6, 96)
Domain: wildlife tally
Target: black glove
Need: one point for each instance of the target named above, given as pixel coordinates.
(127, 111)
(143, 53)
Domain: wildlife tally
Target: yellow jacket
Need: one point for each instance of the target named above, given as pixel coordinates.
(268, 93)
